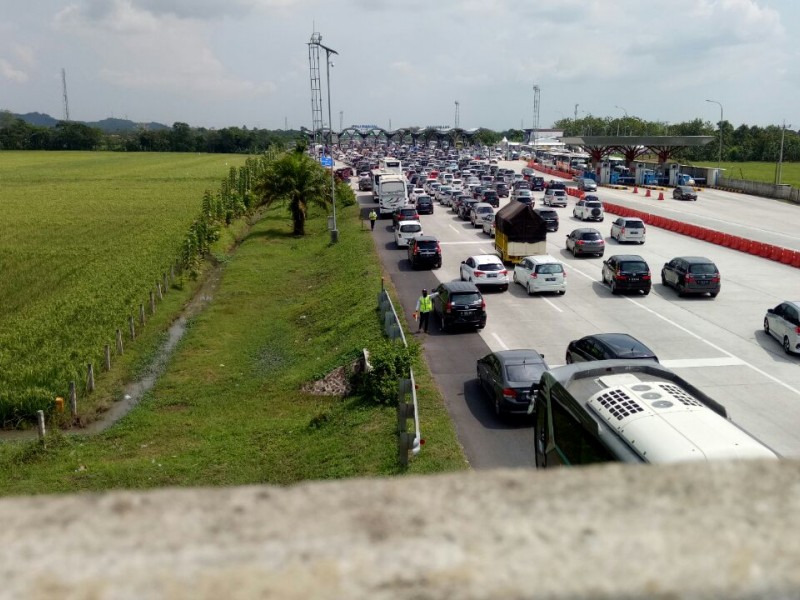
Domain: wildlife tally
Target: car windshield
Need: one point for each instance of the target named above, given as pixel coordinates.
(591, 235)
(550, 268)
(703, 269)
(492, 266)
(634, 267)
(528, 372)
(465, 299)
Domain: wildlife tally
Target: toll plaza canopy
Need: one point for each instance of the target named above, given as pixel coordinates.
(633, 146)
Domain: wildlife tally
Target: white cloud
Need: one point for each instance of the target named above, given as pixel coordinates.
(8, 71)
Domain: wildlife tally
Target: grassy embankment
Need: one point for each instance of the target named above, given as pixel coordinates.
(759, 171)
(229, 409)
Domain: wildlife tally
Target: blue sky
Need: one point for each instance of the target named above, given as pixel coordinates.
(218, 63)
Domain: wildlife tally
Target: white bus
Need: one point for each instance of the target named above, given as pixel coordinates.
(390, 192)
(393, 165)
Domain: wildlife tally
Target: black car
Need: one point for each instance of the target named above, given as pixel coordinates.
(424, 251)
(627, 272)
(501, 189)
(465, 207)
(510, 377)
(684, 192)
(459, 303)
(406, 213)
(555, 185)
(549, 216)
(692, 275)
(490, 197)
(424, 205)
(537, 183)
(607, 346)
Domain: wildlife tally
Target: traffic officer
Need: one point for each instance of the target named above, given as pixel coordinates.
(424, 308)
(373, 216)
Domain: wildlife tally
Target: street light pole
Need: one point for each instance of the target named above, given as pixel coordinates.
(719, 159)
(626, 116)
(328, 52)
(779, 170)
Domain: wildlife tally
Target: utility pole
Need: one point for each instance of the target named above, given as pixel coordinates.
(719, 160)
(535, 114)
(779, 170)
(341, 119)
(64, 89)
(457, 116)
(576, 111)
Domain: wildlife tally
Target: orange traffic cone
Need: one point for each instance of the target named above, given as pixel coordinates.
(647, 193)
(660, 195)
(635, 190)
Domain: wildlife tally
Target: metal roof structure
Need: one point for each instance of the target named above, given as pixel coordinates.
(631, 146)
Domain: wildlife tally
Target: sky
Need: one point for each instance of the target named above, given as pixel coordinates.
(402, 63)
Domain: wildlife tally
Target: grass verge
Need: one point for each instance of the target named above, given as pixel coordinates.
(229, 409)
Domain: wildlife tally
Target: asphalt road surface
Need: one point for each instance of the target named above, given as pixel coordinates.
(716, 344)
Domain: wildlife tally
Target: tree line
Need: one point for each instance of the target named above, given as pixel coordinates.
(17, 134)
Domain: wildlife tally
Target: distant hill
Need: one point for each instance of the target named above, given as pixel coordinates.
(110, 125)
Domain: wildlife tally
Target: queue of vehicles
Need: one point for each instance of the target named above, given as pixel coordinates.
(460, 304)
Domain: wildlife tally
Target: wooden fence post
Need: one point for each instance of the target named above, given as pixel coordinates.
(132, 327)
(40, 424)
(160, 293)
(152, 303)
(120, 349)
(107, 357)
(73, 399)
(141, 314)
(89, 378)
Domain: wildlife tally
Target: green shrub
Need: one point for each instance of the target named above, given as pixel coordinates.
(391, 362)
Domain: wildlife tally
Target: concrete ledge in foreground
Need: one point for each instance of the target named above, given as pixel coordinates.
(722, 530)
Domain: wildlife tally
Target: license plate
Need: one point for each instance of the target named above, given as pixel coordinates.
(490, 275)
(634, 279)
(468, 313)
(549, 278)
(701, 282)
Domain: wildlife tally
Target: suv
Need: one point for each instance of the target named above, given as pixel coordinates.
(537, 183)
(459, 303)
(588, 209)
(691, 275)
(523, 195)
(364, 183)
(549, 216)
(502, 189)
(554, 197)
(627, 272)
(490, 197)
(478, 211)
(424, 250)
(541, 273)
(424, 205)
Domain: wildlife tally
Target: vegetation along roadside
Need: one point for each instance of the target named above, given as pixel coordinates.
(229, 409)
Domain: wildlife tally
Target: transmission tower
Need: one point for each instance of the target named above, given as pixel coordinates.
(316, 87)
(535, 111)
(457, 116)
(64, 90)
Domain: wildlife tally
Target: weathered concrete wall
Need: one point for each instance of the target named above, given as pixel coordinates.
(759, 188)
(723, 530)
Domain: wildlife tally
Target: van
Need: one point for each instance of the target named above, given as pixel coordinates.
(632, 412)
(541, 273)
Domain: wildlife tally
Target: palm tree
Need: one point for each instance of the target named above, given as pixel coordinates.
(296, 179)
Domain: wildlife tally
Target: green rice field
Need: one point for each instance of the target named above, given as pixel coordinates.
(84, 237)
(759, 171)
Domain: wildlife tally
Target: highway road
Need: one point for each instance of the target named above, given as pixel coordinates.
(716, 344)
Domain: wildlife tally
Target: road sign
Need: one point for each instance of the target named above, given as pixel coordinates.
(326, 161)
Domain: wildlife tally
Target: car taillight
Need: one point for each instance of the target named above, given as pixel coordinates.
(483, 304)
(504, 272)
(534, 275)
(510, 393)
(448, 307)
(689, 278)
(797, 330)
(619, 275)
(438, 248)
(622, 230)
(715, 279)
(479, 273)
(646, 276)
(580, 242)
(416, 249)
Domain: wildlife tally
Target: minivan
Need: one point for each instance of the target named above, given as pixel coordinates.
(627, 272)
(541, 273)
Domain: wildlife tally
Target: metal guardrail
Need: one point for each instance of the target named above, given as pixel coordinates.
(405, 410)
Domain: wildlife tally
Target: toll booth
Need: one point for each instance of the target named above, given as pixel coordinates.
(674, 169)
(604, 172)
(644, 175)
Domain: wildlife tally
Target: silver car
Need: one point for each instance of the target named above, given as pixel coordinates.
(586, 240)
(783, 323)
(587, 184)
(555, 197)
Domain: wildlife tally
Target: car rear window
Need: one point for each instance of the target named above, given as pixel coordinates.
(465, 298)
(410, 228)
(593, 205)
(559, 193)
(634, 224)
(490, 267)
(634, 267)
(703, 269)
(591, 235)
(527, 372)
(427, 244)
(549, 268)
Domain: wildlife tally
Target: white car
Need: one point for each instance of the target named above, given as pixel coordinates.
(415, 193)
(541, 273)
(488, 224)
(783, 323)
(628, 229)
(405, 230)
(587, 209)
(478, 212)
(523, 195)
(554, 197)
(485, 270)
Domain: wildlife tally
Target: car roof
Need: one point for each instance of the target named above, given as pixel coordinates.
(518, 356)
(620, 340)
(625, 257)
(584, 230)
(483, 257)
(482, 205)
(460, 286)
(426, 238)
(696, 260)
(401, 223)
(542, 258)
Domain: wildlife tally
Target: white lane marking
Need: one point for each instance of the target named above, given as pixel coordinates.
(499, 341)
(454, 229)
(725, 352)
(687, 363)
(460, 243)
(551, 304)
(579, 272)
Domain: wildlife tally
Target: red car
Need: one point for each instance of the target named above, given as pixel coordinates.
(407, 213)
